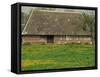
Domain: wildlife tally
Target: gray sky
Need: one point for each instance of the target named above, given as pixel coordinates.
(27, 9)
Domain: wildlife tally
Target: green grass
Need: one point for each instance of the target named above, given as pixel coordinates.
(51, 56)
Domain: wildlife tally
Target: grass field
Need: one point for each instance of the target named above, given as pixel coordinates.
(37, 57)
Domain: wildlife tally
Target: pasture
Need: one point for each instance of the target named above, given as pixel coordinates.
(52, 56)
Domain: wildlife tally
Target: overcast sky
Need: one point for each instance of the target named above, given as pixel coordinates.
(27, 9)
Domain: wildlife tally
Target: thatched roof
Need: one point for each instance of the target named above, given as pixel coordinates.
(54, 23)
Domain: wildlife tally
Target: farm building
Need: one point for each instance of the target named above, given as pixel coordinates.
(55, 27)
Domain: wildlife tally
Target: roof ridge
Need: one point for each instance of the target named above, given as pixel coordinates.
(58, 11)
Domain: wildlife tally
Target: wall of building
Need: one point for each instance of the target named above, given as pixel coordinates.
(33, 39)
(57, 39)
(72, 39)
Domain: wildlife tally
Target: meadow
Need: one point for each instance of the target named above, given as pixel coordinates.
(52, 56)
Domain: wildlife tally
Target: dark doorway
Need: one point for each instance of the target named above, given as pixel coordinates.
(50, 39)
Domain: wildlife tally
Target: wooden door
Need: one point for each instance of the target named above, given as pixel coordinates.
(50, 39)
